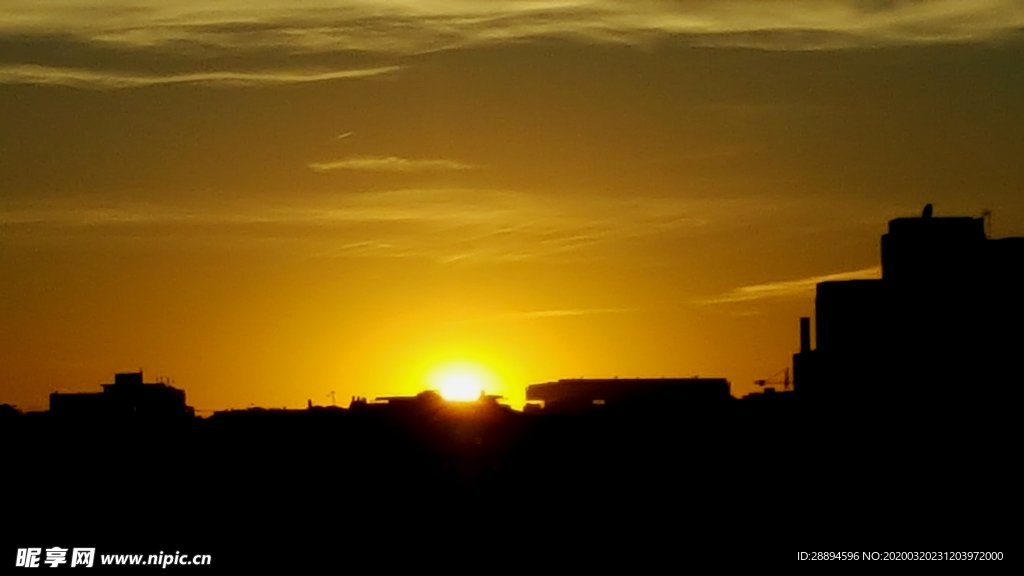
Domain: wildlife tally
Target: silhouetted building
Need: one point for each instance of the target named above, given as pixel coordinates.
(640, 393)
(427, 398)
(8, 411)
(128, 397)
(943, 321)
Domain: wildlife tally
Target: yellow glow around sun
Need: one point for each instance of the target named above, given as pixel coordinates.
(461, 381)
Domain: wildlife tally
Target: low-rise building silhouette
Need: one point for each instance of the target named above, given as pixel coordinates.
(639, 393)
(129, 396)
(941, 323)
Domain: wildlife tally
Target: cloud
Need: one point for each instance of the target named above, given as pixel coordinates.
(417, 26)
(555, 313)
(446, 225)
(563, 313)
(801, 287)
(107, 79)
(37, 37)
(388, 164)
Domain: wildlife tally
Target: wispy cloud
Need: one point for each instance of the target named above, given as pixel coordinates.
(388, 164)
(562, 313)
(444, 225)
(242, 37)
(549, 314)
(109, 79)
(800, 287)
(408, 26)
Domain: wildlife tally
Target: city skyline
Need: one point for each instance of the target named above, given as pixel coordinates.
(903, 370)
(270, 204)
(934, 328)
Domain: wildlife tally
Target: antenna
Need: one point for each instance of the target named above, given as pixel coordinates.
(987, 215)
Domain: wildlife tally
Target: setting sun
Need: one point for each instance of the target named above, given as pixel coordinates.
(461, 382)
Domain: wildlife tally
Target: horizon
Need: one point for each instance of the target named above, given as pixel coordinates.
(469, 383)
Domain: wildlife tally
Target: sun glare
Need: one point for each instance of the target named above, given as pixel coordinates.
(460, 382)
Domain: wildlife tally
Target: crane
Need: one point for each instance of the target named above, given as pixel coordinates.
(773, 381)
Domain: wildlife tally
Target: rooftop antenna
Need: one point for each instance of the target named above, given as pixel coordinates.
(987, 215)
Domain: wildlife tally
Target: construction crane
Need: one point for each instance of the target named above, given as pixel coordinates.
(773, 381)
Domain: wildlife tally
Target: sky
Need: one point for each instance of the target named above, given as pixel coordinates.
(270, 204)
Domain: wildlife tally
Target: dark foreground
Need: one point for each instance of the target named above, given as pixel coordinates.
(449, 486)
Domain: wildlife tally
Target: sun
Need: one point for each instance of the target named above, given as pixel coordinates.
(460, 388)
(460, 381)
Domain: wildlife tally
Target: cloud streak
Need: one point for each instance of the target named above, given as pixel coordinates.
(563, 313)
(555, 313)
(389, 164)
(444, 225)
(409, 27)
(799, 288)
(244, 37)
(108, 79)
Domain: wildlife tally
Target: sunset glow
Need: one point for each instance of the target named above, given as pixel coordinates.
(268, 202)
(461, 382)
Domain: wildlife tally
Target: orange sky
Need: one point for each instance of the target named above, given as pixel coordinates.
(268, 204)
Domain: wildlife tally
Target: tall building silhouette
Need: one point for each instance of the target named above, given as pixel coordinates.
(941, 324)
